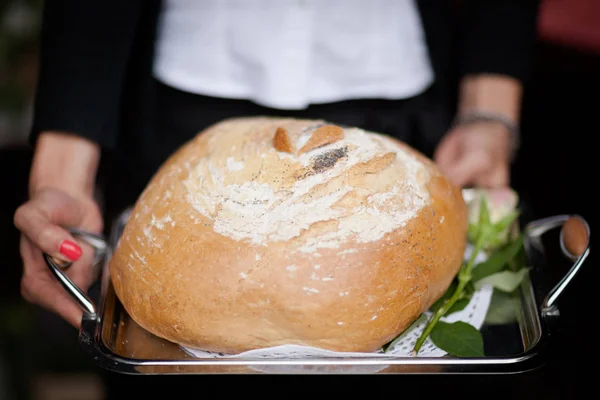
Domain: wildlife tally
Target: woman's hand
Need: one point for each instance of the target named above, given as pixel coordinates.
(61, 194)
(41, 221)
(477, 154)
(480, 153)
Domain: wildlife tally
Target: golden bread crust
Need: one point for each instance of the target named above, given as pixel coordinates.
(236, 245)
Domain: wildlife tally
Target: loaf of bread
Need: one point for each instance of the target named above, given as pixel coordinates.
(266, 231)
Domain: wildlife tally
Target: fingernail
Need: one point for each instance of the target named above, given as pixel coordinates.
(70, 250)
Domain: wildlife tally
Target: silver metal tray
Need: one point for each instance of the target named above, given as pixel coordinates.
(115, 342)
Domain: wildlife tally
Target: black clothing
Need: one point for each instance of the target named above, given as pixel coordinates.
(95, 76)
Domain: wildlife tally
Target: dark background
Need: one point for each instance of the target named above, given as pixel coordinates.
(555, 173)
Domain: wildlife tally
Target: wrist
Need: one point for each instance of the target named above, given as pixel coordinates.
(66, 162)
(491, 99)
(495, 95)
(499, 120)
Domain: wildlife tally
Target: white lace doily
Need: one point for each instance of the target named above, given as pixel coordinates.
(474, 313)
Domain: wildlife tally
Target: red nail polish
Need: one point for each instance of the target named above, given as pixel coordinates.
(70, 250)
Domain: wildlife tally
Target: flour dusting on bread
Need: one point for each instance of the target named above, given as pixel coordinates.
(364, 184)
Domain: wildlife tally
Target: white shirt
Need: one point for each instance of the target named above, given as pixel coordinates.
(288, 54)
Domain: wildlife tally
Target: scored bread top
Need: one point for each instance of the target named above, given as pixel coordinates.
(355, 184)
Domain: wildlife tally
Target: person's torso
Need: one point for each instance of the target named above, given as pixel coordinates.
(288, 54)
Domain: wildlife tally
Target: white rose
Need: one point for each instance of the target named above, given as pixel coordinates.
(501, 202)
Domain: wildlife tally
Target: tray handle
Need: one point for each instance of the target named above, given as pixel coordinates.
(100, 247)
(575, 241)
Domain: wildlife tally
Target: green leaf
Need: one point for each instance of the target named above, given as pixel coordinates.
(459, 305)
(498, 259)
(480, 224)
(519, 260)
(485, 221)
(501, 231)
(469, 289)
(390, 345)
(458, 339)
(503, 309)
(506, 222)
(506, 281)
(472, 232)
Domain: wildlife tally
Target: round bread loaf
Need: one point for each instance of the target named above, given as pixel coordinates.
(268, 231)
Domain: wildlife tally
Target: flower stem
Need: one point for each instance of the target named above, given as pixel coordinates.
(464, 277)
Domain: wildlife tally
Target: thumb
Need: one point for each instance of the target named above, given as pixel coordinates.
(42, 220)
(465, 169)
(47, 236)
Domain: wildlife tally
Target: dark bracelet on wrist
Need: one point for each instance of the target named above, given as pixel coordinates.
(484, 116)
